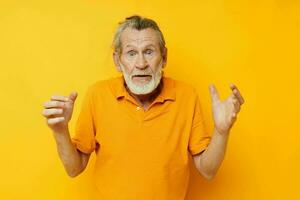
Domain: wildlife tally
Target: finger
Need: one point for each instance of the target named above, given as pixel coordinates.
(56, 120)
(234, 115)
(213, 93)
(237, 93)
(52, 111)
(233, 118)
(73, 96)
(236, 104)
(54, 104)
(59, 98)
(239, 96)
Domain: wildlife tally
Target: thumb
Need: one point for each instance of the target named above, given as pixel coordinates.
(73, 96)
(213, 93)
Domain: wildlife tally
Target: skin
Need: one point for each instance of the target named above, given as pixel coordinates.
(58, 112)
(141, 52)
(224, 116)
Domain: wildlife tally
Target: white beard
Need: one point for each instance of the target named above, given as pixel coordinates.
(146, 88)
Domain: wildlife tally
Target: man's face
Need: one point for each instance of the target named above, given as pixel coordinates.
(141, 60)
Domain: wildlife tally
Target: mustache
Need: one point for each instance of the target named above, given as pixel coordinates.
(141, 74)
(147, 72)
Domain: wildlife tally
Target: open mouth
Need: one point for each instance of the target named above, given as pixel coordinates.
(141, 77)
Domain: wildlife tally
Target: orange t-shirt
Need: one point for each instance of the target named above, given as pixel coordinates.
(141, 154)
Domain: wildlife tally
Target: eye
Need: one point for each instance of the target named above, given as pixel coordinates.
(131, 53)
(149, 51)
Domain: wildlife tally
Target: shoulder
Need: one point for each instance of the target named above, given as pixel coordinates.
(101, 89)
(181, 88)
(104, 84)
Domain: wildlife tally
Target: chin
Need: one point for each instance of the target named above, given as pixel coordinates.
(142, 89)
(142, 85)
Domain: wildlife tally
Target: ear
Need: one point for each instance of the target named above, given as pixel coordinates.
(165, 56)
(116, 59)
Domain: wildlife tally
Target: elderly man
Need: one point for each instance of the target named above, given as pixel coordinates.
(141, 125)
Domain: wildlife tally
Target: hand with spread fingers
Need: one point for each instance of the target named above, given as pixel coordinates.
(58, 112)
(225, 112)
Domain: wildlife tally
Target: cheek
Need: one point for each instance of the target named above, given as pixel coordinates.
(128, 66)
(156, 65)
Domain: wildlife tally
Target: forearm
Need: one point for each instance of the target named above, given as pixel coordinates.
(68, 153)
(211, 159)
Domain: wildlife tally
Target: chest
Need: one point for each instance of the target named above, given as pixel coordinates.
(158, 133)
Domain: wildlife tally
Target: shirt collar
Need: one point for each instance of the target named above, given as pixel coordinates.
(167, 92)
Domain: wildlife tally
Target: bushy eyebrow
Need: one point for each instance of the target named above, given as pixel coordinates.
(150, 45)
(147, 46)
(129, 45)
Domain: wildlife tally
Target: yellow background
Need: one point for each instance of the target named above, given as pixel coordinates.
(54, 47)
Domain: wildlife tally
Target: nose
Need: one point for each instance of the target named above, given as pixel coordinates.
(141, 62)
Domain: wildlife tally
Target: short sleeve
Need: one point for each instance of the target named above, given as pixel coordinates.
(84, 137)
(199, 137)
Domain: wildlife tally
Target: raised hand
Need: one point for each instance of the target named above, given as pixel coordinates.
(225, 112)
(58, 112)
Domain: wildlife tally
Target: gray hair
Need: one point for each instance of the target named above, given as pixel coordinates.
(139, 23)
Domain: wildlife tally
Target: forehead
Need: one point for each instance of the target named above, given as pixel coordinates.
(133, 37)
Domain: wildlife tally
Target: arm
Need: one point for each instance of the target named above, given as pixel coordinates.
(58, 112)
(224, 113)
(74, 161)
(209, 161)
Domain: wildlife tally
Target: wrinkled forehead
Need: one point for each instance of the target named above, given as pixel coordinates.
(139, 38)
